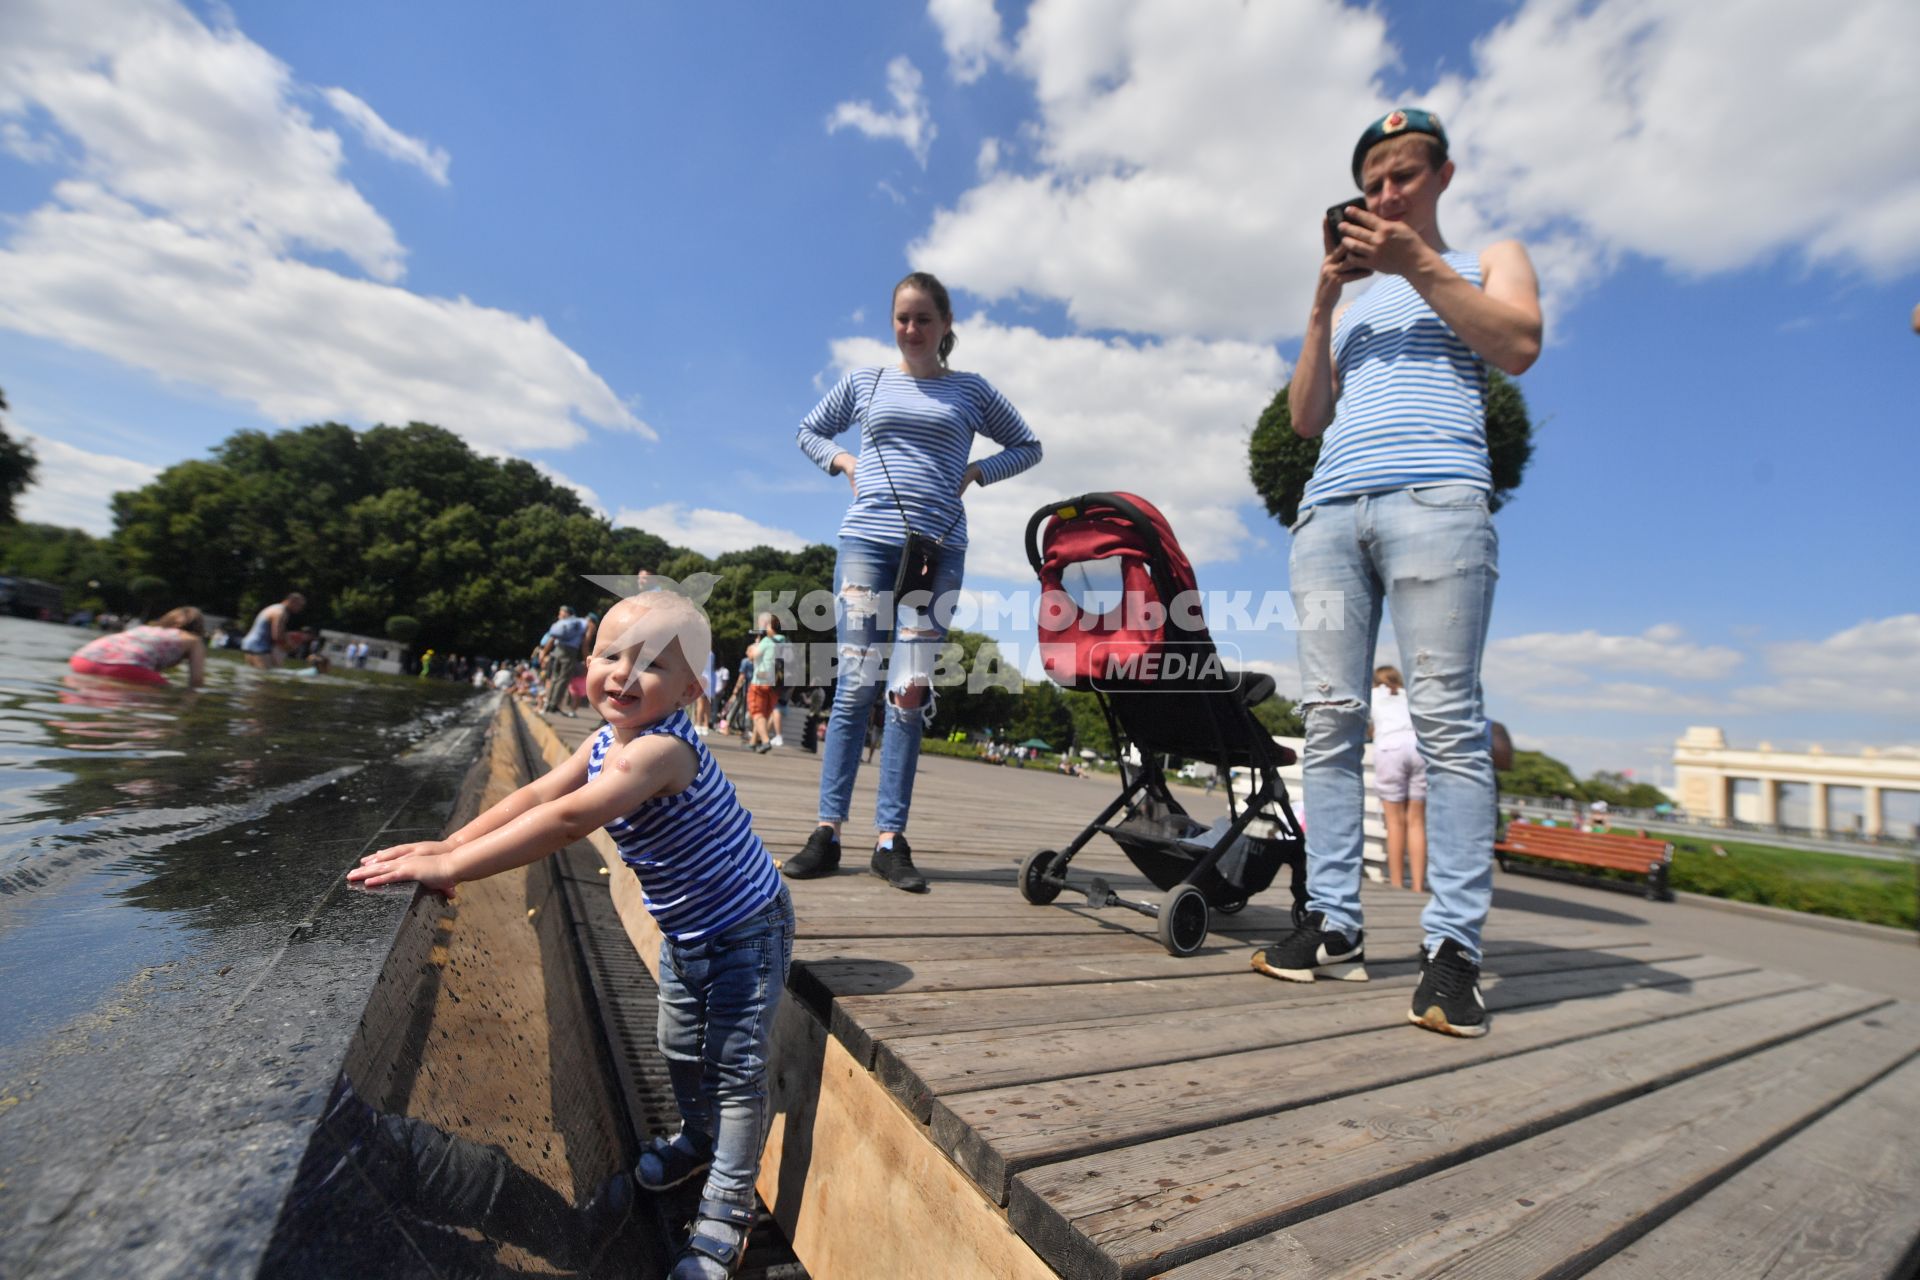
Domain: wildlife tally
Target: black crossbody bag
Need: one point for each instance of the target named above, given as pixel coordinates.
(917, 555)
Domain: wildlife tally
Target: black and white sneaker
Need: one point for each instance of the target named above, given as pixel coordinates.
(1448, 997)
(820, 856)
(893, 862)
(1315, 951)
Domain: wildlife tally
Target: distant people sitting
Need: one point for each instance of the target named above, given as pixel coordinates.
(141, 654)
(266, 643)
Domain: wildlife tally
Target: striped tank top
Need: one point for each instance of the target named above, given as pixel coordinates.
(1412, 405)
(702, 869)
(918, 433)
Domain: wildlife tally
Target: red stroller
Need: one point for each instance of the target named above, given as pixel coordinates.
(1120, 617)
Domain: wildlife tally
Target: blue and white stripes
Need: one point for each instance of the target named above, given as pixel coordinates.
(1412, 397)
(924, 429)
(702, 869)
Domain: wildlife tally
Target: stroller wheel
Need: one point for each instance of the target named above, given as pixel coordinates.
(1032, 887)
(1183, 920)
(1232, 906)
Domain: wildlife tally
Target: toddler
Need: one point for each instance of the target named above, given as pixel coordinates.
(724, 915)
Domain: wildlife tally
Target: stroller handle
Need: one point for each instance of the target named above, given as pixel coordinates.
(1068, 508)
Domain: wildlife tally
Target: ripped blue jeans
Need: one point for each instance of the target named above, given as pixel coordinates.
(883, 644)
(1431, 556)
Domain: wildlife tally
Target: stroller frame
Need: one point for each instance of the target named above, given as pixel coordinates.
(1157, 834)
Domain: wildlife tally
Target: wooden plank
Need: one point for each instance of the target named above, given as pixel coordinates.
(856, 1185)
(1137, 1211)
(861, 1021)
(863, 975)
(1563, 1200)
(1834, 1202)
(996, 1133)
(917, 1068)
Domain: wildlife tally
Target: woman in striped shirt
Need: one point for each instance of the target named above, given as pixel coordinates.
(917, 421)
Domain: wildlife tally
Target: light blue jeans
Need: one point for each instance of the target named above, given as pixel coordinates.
(883, 643)
(1431, 554)
(717, 1001)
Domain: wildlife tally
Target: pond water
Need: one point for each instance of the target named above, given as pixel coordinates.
(138, 824)
(180, 963)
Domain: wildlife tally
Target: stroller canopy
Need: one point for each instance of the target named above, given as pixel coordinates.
(1144, 623)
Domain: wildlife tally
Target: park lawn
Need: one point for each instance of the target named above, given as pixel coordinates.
(1829, 884)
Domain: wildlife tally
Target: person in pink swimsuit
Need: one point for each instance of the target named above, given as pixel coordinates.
(140, 654)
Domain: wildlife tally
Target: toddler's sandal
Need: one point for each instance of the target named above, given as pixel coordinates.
(664, 1163)
(715, 1253)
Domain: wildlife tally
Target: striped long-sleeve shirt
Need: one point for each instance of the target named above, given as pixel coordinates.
(702, 869)
(1412, 405)
(916, 434)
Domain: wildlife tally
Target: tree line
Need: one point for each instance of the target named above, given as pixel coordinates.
(406, 532)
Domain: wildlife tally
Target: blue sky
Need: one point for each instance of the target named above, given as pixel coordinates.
(633, 242)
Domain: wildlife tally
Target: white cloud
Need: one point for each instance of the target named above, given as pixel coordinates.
(987, 162)
(1197, 141)
(72, 487)
(1709, 135)
(707, 531)
(970, 33)
(298, 342)
(1186, 150)
(1151, 417)
(1557, 671)
(1662, 649)
(198, 177)
(1866, 668)
(909, 122)
(195, 121)
(387, 140)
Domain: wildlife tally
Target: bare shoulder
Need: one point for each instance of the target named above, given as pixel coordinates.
(1506, 258)
(659, 758)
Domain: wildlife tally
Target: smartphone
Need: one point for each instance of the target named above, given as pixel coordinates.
(1337, 214)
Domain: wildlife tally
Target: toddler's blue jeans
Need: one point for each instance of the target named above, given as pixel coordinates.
(717, 1001)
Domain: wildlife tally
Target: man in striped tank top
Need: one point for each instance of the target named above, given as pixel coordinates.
(1396, 513)
(725, 918)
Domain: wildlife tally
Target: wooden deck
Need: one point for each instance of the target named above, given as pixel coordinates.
(1072, 1099)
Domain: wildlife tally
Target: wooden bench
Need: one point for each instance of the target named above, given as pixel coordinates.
(1637, 854)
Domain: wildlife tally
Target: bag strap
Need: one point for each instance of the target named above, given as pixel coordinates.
(867, 433)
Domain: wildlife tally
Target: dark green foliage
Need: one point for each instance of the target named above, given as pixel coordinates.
(1536, 774)
(1280, 462)
(402, 629)
(150, 592)
(409, 521)
(17, 467)
(89, 569)
(1281, 718)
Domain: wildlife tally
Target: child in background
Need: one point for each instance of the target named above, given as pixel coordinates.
(725, 918)
(1400, 776)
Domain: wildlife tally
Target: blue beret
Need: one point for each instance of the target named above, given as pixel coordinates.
(1396, 122)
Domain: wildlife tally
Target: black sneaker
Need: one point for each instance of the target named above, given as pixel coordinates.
(895, 866)
(820, 856)
(1315, 951)
(1448, 997)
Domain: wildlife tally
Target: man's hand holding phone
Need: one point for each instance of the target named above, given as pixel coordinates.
(1335, 270)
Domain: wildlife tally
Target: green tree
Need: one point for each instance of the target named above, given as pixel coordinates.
(1535, 773)
(1281, 462)
(17, 467)
(1281, 718)
(89, 569)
